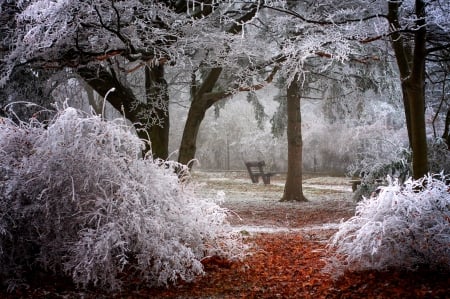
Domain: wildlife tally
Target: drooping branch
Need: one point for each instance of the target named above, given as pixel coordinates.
(214, 97)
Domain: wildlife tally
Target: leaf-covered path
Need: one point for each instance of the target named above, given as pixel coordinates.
(289, 265)
(287, 259)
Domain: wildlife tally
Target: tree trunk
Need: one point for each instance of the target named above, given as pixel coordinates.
(158, 99)
(200, 103)
(202, 99)
(293, 190)
(102, 81)
(122, 99)
(418, 134)
(411, 64)
(446, 134)
(195, 117)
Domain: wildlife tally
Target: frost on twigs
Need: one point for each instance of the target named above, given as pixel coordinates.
(76, 198)
(406, 227)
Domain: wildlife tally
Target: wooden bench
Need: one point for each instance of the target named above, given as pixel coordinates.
(256, 169)
(355, 184)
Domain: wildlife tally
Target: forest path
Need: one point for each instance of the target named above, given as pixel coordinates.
(289, 250)
(255, 208)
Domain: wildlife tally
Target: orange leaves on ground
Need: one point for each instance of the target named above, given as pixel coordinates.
(284, 266)
(290, 266)
(280, 266)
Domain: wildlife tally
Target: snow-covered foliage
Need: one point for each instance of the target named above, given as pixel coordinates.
(405, 226)
(380, 158)
(438, 156)
(77, 198)
(71, 33)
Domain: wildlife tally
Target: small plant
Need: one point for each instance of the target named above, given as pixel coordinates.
(77, 199)
(406, 226)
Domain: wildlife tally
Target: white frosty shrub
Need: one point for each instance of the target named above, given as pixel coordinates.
(77, 199)
(405, 227)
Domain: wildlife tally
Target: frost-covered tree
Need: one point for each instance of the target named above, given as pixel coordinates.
(225, 69)
(102, 41)
(308, 38)
(417, 30)
(109, 44)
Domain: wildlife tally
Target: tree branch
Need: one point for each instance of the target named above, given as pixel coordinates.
(214, 97)
(117, 32)
(322, 22)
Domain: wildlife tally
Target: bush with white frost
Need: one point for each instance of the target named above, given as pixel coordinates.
(407, 226)
(76, 198)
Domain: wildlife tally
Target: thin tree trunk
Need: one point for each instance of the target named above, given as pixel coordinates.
(446, 134)
(93, 102)
(293, 190)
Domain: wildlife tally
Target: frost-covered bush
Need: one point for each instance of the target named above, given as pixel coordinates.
(405, 227)
(375, 166)
(76, 198)
(395, 162)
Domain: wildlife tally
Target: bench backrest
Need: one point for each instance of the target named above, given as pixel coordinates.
(255, 167)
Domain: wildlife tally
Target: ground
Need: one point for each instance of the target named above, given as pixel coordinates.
(287, 250)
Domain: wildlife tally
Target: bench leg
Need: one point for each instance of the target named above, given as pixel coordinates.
(255, 179)
(266, 179)
(355, 186)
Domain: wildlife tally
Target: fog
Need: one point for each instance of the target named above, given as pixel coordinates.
(230, 135)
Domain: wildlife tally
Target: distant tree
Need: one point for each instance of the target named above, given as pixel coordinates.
(437, 90)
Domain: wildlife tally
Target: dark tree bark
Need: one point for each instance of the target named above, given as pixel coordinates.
(202, 99)
(446, 134)
(200, 103)
(103, 80)
(293, 189)
(156, 92)
(411, 64)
